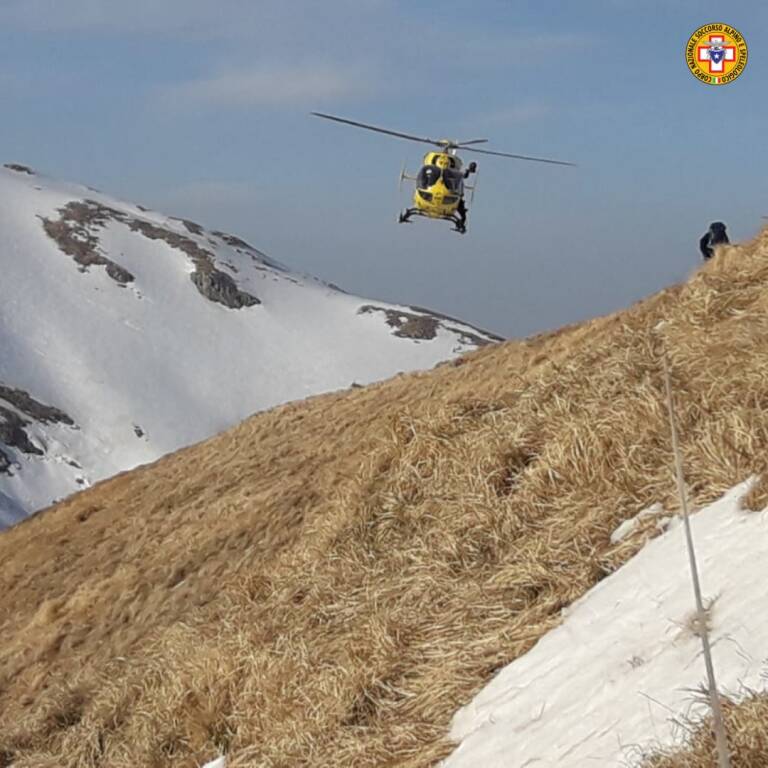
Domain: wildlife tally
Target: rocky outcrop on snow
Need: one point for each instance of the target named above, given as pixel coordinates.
(76, 233)
(18, 412)
(422, 324)
(126, 334)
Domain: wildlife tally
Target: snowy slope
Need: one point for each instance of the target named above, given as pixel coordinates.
(624, 668)
(125, 334)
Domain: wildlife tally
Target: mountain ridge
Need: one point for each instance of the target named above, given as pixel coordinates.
(328, 582)
(101, 321)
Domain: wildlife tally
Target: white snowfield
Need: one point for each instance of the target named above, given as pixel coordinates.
(624, 670)
(126, 334)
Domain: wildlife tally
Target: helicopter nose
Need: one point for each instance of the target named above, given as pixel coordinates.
(438, 192)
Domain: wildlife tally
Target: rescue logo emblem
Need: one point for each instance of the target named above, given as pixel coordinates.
(716, 54)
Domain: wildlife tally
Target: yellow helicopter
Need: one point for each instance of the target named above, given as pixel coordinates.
(440, 184)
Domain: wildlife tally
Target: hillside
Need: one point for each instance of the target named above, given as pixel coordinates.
(622, 675)
(328, 582)
(126, 334)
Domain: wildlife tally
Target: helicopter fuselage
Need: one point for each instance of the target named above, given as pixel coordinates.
(440, 182)
(439, 185)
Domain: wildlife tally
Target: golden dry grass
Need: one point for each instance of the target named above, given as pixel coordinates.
(747, 725)
(326, 583)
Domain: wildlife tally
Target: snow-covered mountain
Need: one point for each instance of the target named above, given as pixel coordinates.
(126, 334)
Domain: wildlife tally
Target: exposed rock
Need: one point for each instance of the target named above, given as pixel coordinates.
(242, 246)
(192, 227)
(119, 274)
(19, 168)
(211, 282)
(220, 287)
(440, 315)
(72, 232)
(75, 236)
(174, 239)
(13, 434)
(467, 337)
(424, 327)
(406, 325)
(13, 427)
(27, 404)
(235, 242)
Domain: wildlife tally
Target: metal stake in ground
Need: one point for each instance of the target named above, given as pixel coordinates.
(717, 713)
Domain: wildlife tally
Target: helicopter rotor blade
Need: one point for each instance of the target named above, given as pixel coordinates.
(422, 139)
(518, 157)
(444, 143)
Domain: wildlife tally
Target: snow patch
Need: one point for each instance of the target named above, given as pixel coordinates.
(121, 318)
(622, 671)
(628, 527)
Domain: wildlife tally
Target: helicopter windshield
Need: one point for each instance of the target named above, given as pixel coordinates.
(452, 179)
(428, 175)
(431, 174)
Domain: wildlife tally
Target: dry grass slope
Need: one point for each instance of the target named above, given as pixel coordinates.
(326, 583)
(747, 727)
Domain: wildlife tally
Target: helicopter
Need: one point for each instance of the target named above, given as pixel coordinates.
(441, 182)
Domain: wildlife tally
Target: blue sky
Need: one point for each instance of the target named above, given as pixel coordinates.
(200, 109)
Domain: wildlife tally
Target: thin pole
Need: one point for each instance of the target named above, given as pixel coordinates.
(717, 713)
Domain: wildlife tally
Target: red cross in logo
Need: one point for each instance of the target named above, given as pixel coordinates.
(716, 53)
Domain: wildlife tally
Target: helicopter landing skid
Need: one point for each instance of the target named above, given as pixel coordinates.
(458, 225)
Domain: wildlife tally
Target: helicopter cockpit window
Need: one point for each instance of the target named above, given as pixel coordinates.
(452, 179)
(428, 175)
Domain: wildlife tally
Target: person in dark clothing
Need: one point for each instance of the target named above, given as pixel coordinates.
(461, 209)
(715, 235)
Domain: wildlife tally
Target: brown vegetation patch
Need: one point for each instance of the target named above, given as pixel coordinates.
(757, 498)
(326, 583)
(73, 233)
(451, 319)
(211, 282)
(746, 723)
(423, 327)
(406, 325)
